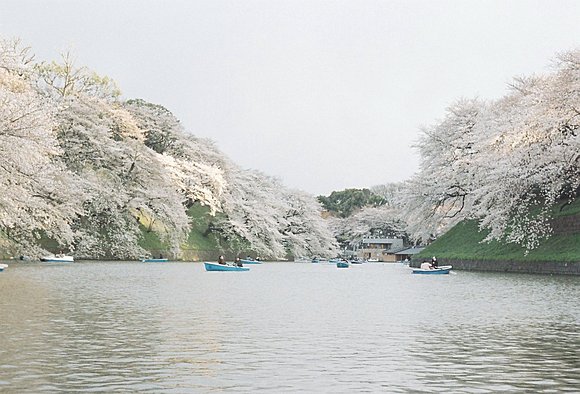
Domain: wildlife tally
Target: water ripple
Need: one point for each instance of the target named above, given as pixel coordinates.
(110, 327)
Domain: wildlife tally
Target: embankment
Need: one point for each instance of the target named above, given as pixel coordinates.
(524, 267)
(559, 254)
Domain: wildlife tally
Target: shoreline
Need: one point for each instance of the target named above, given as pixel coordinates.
(520, 267)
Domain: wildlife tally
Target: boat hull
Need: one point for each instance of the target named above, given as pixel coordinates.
(436, 271)
(154, 260)
(221, 267)
(342, 265)
(250, 262)
(54, 259)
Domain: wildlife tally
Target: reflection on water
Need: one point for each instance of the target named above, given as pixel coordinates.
(284, 327)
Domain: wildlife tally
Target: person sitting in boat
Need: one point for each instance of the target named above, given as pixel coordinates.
(222, 260)
(238, 262)
(425, 265)
(434, 263)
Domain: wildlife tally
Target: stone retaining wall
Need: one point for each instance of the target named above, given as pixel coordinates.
(527, 267)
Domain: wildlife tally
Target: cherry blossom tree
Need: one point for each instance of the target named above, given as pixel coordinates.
(275, 221)
(100, 171)
(504, 163)
(440, 196)
(195, 165)
(34, 200)
(306, 232)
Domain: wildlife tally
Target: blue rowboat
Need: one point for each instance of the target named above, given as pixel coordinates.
(342, 264)
(155, 260)
(250, 261)
(444, 269)
(222, 267)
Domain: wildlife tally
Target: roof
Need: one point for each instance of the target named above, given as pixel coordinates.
(396, 250)
(380, 240)
(413, 250)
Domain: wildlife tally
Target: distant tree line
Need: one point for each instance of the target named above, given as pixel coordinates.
(343, 203)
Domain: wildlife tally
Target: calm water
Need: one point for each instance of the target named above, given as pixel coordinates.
(284, 327)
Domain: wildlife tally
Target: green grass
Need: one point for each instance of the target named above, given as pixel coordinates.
(200, 238)
(560, 209)
(150, 241)
(463, 242)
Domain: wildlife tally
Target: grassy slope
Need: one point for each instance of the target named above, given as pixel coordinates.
(196, 239)
(199, 238)
(462, 242)
(199, 225)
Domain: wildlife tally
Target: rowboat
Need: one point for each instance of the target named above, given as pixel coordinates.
(250, 261)
(444, 269)
(154, 260)
(3, 266)
(59, 258)
(222, 267)
(342, 264)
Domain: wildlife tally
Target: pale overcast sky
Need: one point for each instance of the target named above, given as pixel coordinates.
(325, 95)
